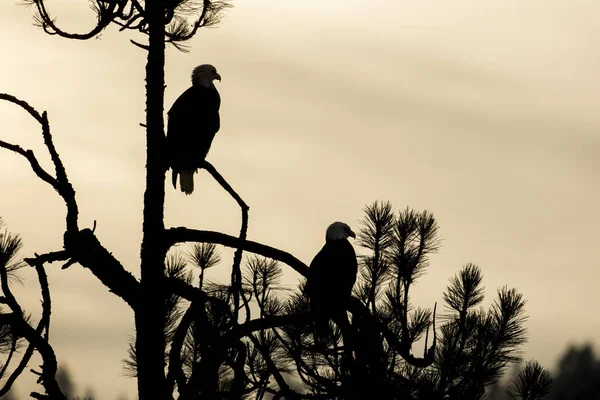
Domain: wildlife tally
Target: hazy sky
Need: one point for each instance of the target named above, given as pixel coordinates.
(485, 113)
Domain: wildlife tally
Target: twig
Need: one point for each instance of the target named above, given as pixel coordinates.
(141, 46)
(35, 165)
(185, 291)
(51, 257)
(219, 178)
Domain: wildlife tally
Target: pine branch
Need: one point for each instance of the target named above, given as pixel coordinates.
(61, 184)
(106, 12)
(532, 383)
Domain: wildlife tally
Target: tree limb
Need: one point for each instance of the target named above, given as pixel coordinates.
(236, 273)
(61, 184)
(51, 257)
(181, 234)
(85, 248)
(35, 165)
(184, 290)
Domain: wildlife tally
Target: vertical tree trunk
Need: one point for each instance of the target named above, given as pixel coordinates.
(150, 311)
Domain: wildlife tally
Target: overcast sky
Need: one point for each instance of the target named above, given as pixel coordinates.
(485, 113)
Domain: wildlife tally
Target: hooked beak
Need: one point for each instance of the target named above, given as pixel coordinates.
(352, 235)
(217, 76)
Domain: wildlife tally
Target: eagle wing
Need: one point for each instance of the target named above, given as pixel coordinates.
(193, 121)
(331, 277)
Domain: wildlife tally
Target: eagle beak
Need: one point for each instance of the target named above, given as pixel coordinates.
(217, 76)
(352, 235)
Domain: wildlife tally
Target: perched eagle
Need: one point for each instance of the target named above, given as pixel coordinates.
(331, 277)
(193, 121)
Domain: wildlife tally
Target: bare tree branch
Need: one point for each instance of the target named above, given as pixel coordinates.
(173, 236)
(51, 257)
(236, 274)
(81, 246)
(61, 184)
(85, 248)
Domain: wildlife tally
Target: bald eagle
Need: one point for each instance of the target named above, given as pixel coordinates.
(193, 121)
(331, 277)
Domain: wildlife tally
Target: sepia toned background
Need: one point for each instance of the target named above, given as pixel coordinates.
(485, 114)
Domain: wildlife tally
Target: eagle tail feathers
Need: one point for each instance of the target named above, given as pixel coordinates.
(186, 181)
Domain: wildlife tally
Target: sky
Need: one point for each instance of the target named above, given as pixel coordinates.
(484, 113)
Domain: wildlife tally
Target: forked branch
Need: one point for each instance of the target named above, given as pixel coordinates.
(60, 183)
(80, 246)
(34, 336)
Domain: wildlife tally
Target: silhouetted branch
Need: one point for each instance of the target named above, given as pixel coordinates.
(184, 290)
(236, 274)
(46, 302)
(65, 188)
(85, 248)
(182, 234)
(219, 178)
(106, 11)
(143, 47)
(51, 257)
(33, 336)
(61, 184)
(175, 374)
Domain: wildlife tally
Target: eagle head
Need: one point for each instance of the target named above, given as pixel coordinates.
(204, 75)
(339, 230)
